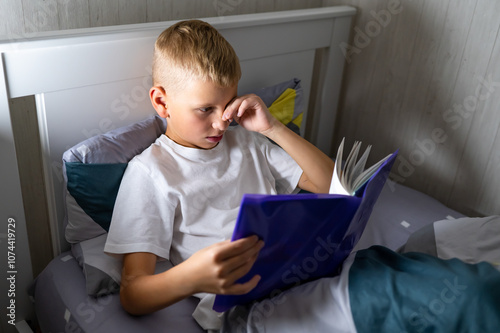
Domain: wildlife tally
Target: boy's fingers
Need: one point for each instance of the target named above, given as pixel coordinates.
(238, 106)
(237, 267)
(237, 247)
(242, 269)
(240, 264)
(243, 288)
(231, 108)
(243, 107)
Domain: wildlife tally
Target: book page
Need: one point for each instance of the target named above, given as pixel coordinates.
(335, 186)
(360, 166)
(350, 163)
(366, 175)
(348, 178)
(338, 159)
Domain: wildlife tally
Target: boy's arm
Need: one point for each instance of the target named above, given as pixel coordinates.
(213, 269)
(251, 113)
(316, 166)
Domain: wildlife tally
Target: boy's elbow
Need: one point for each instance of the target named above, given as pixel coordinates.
(320, 189)
(127, 305)
(131, 303)
(309, 186)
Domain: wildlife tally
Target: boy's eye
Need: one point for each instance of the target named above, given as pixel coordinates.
(207, 109)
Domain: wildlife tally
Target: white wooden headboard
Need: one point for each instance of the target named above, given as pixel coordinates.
(89, 81)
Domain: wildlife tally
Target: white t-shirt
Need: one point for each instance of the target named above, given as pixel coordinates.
(174, 200)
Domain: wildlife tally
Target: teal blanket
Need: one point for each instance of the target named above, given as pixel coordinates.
(416, 292)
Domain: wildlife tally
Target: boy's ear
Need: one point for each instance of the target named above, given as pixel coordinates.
(159, 100)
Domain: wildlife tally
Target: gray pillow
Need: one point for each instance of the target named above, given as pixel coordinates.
(86, 160)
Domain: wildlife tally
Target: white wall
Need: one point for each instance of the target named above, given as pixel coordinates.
(424, 76)
(21, 18)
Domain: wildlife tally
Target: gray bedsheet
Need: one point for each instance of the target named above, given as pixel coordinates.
(399, 212)
(62, 305)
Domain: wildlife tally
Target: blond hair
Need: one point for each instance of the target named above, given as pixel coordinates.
(191, 50)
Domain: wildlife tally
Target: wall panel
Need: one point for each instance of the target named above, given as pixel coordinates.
(409, 85)
(475, 131)
(159, 10)
(11, 18)
(39, 15)
(440, 162)
(104, 13)
(132, 11)
(67, 17)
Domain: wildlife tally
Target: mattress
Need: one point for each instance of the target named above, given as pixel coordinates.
(62, 305)
(398, 213)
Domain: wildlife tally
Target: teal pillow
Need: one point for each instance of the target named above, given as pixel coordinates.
(94, 187)
(115, 149)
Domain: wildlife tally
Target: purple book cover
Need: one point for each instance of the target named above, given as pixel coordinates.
(307, 236)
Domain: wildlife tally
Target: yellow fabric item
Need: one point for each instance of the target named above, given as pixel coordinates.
(298, 120)
(283, 108)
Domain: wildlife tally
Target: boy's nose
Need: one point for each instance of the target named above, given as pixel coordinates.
(218, 123)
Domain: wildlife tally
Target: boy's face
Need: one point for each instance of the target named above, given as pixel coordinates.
(194, 114)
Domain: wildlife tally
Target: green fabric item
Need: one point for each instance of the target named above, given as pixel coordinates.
(94, 187)
(416, 292)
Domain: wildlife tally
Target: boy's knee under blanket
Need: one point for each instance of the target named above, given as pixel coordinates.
(380, 290)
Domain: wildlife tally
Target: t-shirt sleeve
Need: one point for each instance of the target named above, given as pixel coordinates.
(284, 169)
(142, 218)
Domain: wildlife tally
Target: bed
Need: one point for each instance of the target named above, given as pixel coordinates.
(92, 82)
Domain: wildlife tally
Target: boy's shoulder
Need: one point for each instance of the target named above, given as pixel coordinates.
(152, 155)
(240, 134)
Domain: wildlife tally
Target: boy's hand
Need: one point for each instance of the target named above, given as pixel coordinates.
(216, 268)
(251, 113)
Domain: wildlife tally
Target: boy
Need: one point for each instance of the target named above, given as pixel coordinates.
(179, 199)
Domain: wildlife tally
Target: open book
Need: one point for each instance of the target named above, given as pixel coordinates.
(307, 236)
(349, 178)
